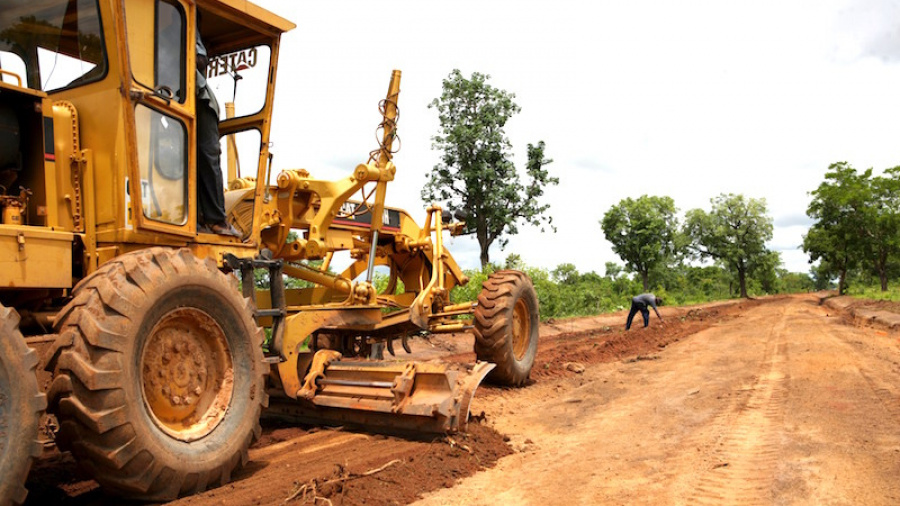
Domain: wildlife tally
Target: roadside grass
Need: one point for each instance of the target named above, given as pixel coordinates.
(873, 292)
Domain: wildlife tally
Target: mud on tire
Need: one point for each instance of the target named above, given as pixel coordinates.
(158, 375)
(506, 326)
(21, 405)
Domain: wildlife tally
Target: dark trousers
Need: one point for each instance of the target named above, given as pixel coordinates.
(210, 189)
(635, 307)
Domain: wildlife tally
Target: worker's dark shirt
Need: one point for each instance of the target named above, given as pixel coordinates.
(648, 299)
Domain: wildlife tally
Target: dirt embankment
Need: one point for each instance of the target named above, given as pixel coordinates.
(297, 464)
(878, 313)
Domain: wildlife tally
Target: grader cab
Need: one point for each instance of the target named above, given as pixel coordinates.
(154, 344)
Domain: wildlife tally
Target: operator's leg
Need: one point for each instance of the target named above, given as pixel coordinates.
(210, 190)
(646, 314)
(634, 310)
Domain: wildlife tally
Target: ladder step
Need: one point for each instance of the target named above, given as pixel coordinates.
(270, 312)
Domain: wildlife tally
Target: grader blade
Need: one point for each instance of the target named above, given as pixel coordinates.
(427, 397)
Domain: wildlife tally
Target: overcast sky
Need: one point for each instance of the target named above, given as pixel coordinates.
(688, 99)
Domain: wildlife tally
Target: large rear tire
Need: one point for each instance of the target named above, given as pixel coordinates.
(158, 375)
(21, 405)
(506, 326)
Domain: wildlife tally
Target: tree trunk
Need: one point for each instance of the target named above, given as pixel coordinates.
(842, 282)
(484, 242)
(645, 277)
(485, 259)
(742, 279)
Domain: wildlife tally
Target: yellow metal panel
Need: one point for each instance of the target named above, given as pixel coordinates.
(257, 14)
(35, 258)
(140, 20)
(68, 190)
(107, 253)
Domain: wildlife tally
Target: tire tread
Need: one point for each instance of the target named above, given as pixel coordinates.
(87, 395)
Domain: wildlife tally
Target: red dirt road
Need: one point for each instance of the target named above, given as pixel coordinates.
(762, 402)
(785, 404)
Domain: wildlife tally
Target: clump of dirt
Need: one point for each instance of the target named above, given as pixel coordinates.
(56, 479)
(277, 431)
(557, 353)
(403, 480)
(611, 344)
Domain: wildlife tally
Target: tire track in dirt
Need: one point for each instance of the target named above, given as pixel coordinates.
(740, 461)
(885, 393)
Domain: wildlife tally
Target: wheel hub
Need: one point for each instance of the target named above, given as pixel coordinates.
(187, 374)
(521, 329)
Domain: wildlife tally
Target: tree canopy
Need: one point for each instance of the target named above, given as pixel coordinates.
(476, 174)
(643, 233)
(857, 223)
(733, 233)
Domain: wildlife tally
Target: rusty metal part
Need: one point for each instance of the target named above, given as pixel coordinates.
(390, 346)
(187, 374)
(404, 340)
(321, 360)
(308, 320)
(403, 385)
(441, 392)
(410, 396)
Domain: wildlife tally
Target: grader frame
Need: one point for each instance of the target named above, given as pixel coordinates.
(152, 361)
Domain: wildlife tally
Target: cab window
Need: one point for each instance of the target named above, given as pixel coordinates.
(52, 44)
(159, 65)
(162, 148)
(240, 78)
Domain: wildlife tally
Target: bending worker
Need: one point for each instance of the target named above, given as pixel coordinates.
(640, 303)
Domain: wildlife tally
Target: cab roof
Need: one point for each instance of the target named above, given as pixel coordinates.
(254, 15)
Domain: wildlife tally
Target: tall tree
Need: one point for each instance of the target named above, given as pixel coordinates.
(882, 233)
(838, 208)
(643, 233)
(733, 233)
(476, 174)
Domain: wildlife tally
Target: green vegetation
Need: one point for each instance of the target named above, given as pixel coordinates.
(476, 175)
(734, 234)
(874, 292)
(564, 292)
(856, 233)
(643, 233)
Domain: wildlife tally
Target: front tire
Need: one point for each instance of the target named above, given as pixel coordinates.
(158, 375)
(506, 326)
(21, 405)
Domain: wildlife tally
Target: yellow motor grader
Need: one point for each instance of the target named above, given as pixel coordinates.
(154, 345)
